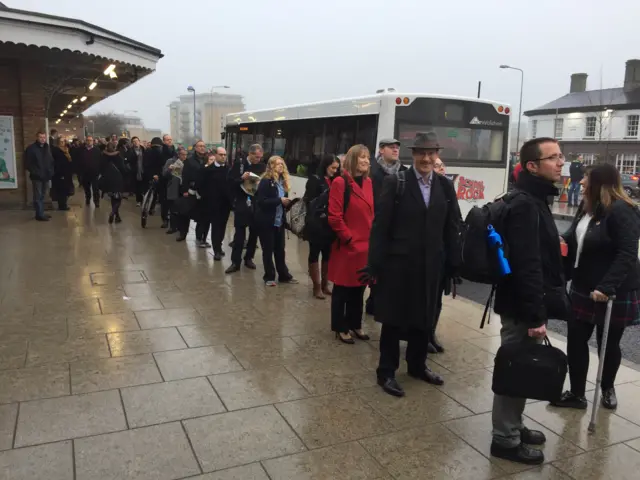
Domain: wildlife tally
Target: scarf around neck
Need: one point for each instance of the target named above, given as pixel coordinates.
(392, 169)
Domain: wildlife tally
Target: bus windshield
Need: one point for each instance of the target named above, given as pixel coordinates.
(458, 143)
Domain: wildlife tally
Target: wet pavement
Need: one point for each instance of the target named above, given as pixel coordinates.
(124, 355)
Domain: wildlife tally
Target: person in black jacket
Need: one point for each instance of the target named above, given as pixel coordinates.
(271, 200)
(90, 162)
(243, 215)
(62, 181)
(412, 233)
(187, 205)
(603, 257)
(135, 159)
(535, 290)
(213, 187)
(153, 163)
(39, 163)
(576, 172)
(387, 163)
(112, 179)
(316, 186)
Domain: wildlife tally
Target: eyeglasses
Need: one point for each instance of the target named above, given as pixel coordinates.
(556, 157)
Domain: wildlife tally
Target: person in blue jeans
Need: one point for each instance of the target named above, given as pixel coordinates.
(39, 163)
(576, 172)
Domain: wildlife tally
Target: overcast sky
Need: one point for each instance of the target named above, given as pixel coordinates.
(277, 52)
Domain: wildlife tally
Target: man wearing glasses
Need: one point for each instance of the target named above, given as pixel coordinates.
(535, 290)
(387, 163)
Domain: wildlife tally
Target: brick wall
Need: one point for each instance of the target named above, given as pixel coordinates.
(21, 96)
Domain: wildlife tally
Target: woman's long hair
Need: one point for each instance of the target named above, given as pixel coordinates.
(271, 173)
(326, 160)
(604, 186)
(351, 160)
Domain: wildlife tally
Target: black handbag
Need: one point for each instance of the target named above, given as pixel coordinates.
(525, 370)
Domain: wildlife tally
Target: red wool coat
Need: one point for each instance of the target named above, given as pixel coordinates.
(349, 252)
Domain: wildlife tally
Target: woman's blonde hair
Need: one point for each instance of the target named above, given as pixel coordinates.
(273, 175)
(351, 160)
(604, 186)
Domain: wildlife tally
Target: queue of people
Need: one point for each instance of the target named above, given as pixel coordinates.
(398, 230)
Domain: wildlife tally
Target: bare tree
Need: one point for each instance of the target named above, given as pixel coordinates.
(106, 124)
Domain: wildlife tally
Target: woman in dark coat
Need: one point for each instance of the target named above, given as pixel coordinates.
(349, 251)
(316, 185)
(603, 257)
(62, 181)
(135, 159)
(271, 200)
(415, 228)
(112, 179)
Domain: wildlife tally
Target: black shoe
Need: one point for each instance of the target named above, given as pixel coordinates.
(48, 217)
(532, 437)
(569, 400)
(111, 217)
(249, 264)
(42, 219)
(232, 268)
(609, 399)
(152, 212)
(391, 386)
(217, 256)
(428, 376)
(436, 344)
(171, 231)
(520, 454)
(361, 336)
(64, 209)
(181, 238)
(164, 225)
(348, 340)
(118, 219)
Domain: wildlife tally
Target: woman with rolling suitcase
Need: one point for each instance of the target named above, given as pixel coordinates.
(603, 258)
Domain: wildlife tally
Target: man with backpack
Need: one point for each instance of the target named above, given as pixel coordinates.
(416, 225)
(535, 289)
(387, 163)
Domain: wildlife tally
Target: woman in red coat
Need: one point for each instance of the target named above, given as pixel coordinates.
(349, 252)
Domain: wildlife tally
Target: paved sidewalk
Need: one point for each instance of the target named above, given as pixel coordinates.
(124, 355)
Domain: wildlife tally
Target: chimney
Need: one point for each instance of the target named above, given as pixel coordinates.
(578, 83)
(632, 76)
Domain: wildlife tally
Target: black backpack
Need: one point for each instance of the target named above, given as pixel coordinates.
(479, 260)
(316, 225)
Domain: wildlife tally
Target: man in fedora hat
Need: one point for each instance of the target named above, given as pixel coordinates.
(415, 229)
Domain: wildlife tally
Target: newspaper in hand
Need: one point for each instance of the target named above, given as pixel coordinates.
(250, 184)
(176, 171)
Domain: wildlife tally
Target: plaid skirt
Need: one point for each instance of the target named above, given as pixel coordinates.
(625, 312)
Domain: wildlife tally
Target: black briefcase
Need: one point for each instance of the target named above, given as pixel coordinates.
(524, 370)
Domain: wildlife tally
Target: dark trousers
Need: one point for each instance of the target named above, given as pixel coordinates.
(238, 244)
(202, 228)
(90, 186)
(115, 205)
(219, 227)
(62, 202)
(141, 189)
(416, 356)
(370, 300)
(315, 249)
(272, 243)
(346, 308)
(578, 354)
(182, 223)
(39, 192)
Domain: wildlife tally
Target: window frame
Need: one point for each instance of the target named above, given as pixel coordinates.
(558, 122)
(626, 160)
(534, 128)
(586, 126)
(633, 121)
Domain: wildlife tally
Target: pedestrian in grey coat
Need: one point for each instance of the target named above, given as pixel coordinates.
(172, 171)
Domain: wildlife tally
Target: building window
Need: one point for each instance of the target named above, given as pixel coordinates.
(588, 158)
(632, 125)
(626, 163)
(534, 128)
(590, 130)
(558, 125)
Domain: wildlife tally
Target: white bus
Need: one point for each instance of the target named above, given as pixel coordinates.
(474, 134)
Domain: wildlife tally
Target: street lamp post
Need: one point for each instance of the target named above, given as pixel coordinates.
(520, 107)
(211, 130)
(193, 90)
